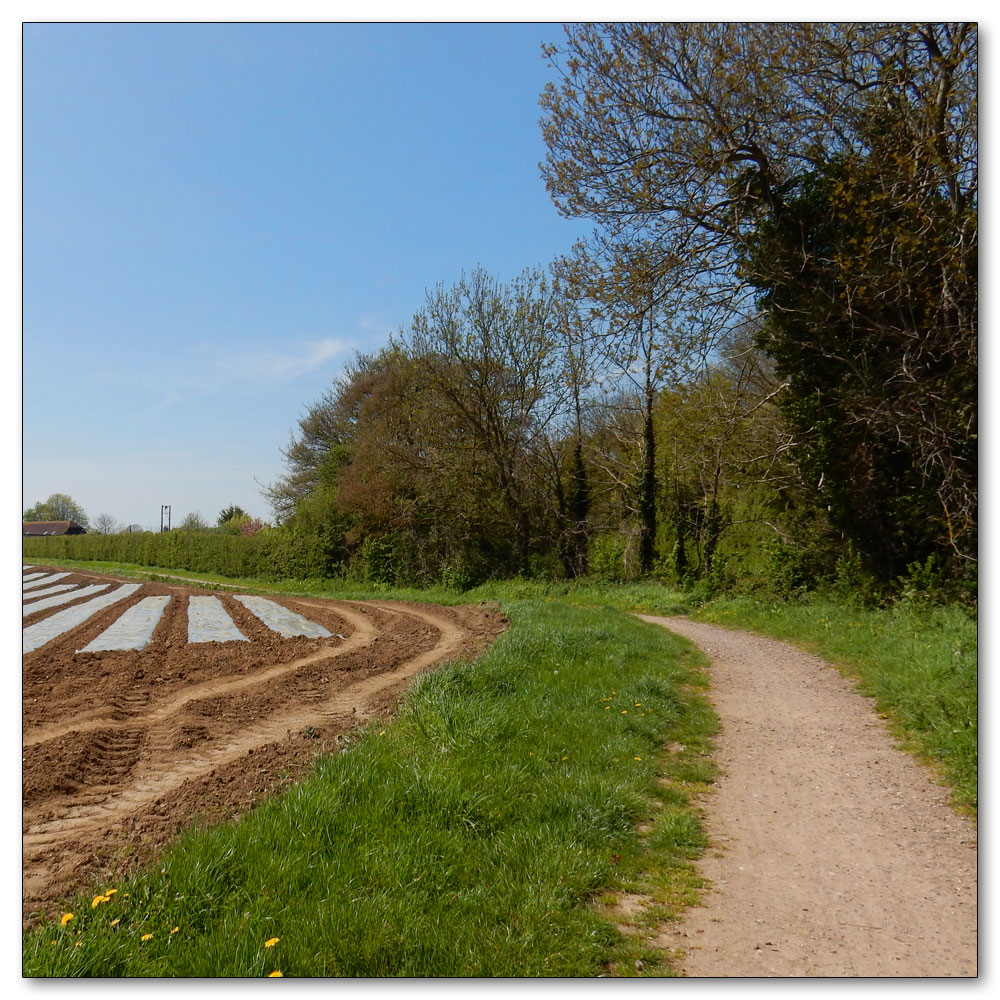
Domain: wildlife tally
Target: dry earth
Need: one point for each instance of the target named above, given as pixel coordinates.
(122, 750)
(833, 853)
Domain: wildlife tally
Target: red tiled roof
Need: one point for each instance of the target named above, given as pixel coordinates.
(51, 528)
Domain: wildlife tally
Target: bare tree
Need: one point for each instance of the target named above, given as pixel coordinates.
(106, 524)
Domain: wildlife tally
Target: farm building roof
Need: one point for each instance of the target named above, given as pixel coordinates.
(52, 528)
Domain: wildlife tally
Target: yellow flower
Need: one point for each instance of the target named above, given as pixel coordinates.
(564, 758)
(78, 943)
(66, 918)
(275, 975)
(637, 704)
(636, 758)
(145, 937)
(624, 711)
(110, 892)
(115, 921)
(271, 942)
(174, 930)
(97, 900)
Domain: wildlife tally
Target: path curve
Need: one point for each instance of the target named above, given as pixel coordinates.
(832, 852)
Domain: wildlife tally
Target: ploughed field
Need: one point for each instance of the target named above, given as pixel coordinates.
(148, 707)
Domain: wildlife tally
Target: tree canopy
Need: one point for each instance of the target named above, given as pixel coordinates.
(58, 507)
(760, 366)
(823, 177)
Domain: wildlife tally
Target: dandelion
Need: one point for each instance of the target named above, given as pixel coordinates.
(78, 943)
(66, 918)
(624, 711)
(174, 930)
(638, 704)
(145, 937)
(114, 923)
(97, 900)
(565, 758)
(636, 758)
(275, 975)
(110, 892)
(271, 942)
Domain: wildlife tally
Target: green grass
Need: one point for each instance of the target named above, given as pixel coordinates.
(473, 835)
(470, 836)
(649, 598)
(918, 661)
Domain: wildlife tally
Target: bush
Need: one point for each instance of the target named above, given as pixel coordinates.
(269, 554)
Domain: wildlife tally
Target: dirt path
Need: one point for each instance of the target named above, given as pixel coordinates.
(832, 852)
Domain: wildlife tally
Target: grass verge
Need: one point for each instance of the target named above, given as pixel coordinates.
(918, 661)
(471, 836)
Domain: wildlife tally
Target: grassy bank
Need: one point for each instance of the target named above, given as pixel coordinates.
(474, 834)
(471, 836)
(918, 661)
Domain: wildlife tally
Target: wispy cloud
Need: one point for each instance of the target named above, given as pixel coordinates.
(283, 365)
(373, 324)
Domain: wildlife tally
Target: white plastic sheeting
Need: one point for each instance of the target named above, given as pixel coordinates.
(62, 621)
(54, 602)
(208, 621)
(134, 629)
(48, 591)
(281, 620)
(40, 579)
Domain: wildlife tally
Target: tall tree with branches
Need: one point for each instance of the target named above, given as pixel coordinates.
(825, 174)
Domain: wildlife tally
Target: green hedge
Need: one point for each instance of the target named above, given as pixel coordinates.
(272, 554)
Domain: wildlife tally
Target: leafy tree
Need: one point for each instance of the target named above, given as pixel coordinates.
(193, 522)
(827, 175)
(58, 507)
(436, 453)
(230, 513)
(488, 352)
(872, 319)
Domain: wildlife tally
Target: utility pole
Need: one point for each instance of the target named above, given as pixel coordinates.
(164, 507)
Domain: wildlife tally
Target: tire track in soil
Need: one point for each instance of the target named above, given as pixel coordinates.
(138, 709)
(138, 763)
(832, 852)
(162, 774)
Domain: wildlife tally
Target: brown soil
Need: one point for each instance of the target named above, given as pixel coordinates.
(123, 750)
(832, 852)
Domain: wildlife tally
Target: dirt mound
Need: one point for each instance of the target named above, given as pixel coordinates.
(123, 749)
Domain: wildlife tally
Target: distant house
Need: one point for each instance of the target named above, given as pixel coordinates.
(53, 528)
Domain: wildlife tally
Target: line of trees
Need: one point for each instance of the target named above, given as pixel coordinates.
(760, 370)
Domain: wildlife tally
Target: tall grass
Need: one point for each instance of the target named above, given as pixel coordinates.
(470, 836)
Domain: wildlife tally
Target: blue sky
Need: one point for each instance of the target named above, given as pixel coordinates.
(216, 216)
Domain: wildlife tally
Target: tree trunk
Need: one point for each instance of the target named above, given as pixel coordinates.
(647, 489)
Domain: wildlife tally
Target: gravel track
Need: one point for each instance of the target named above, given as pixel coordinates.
(832, 852)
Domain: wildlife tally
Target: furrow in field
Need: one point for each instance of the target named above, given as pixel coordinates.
(161, 773)
(364, 633)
